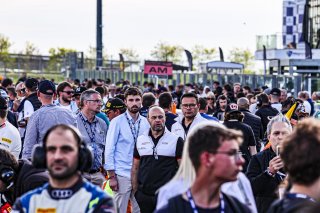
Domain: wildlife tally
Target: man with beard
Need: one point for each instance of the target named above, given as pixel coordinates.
(191, 116)
(94, 131)
(222, 103)
(121, 139)
(65, 93)
(65, 155)
(156, 158)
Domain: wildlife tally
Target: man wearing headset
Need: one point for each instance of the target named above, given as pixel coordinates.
(65, 156)
(17, 178)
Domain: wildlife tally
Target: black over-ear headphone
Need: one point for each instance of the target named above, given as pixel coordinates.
(7, 175)
(85, 161)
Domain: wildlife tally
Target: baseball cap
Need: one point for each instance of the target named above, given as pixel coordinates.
(275, 91)
(46, 85)
(79, 91)
(31, 83)
(114, 103)
(233, 107)
(3, 103)
(3, 93)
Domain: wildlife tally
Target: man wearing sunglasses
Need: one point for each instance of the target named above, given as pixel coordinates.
(65, 93)
(156, 157)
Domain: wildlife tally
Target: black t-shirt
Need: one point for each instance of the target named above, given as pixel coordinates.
(179, 204)
(266, 113)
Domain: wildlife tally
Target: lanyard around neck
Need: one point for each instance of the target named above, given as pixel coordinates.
(134, 131)
(194, 207)
(90, 133)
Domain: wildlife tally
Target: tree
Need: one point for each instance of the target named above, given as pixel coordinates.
(200, 53)
(57, 56)
(5, 45)
(243, 56)
(129, 54)
(166, 52)
(31, 49)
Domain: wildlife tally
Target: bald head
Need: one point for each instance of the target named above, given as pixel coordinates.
(153, 108)
(243, 103)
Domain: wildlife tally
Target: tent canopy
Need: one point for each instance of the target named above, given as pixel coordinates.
(224, 65)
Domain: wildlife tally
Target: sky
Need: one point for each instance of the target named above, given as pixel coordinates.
(139, 24)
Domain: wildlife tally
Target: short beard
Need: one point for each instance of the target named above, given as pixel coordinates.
(66, 175)
(134, 111)
(65, 100)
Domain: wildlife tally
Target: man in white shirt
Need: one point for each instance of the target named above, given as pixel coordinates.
(9, 135)
(304, 96)
(191, 116)
(65, 93)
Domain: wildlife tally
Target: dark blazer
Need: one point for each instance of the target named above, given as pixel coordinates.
(264, 186)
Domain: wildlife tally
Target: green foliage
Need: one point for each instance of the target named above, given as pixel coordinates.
(31, 49)
(5, 45)
(165, 52)
(200, 53)
(56, 57)
(242, 56)
(129, 54)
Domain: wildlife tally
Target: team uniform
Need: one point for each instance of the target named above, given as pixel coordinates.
(82, 197)
(158, 164)
(10, 139)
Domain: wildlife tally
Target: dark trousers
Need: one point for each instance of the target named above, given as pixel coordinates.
(147, 203)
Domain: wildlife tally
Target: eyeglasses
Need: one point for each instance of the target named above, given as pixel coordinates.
(188, 106)
(235, 153)
(96, 101)
(210, 99)
(68, 92)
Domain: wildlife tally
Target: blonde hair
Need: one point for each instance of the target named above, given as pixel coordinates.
(186, 171)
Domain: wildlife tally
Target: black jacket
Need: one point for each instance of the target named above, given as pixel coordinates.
(264, 187)
(33, 98)
(266, 113)
(248, 139)
(296, 205)
(255, 123)
(11, 117)
(26, 178)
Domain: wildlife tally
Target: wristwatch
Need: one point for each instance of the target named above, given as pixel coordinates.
(269, 173)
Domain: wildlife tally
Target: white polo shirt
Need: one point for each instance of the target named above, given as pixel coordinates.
(10, 139)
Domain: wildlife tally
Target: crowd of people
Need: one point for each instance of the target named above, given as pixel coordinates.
(98, 146)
